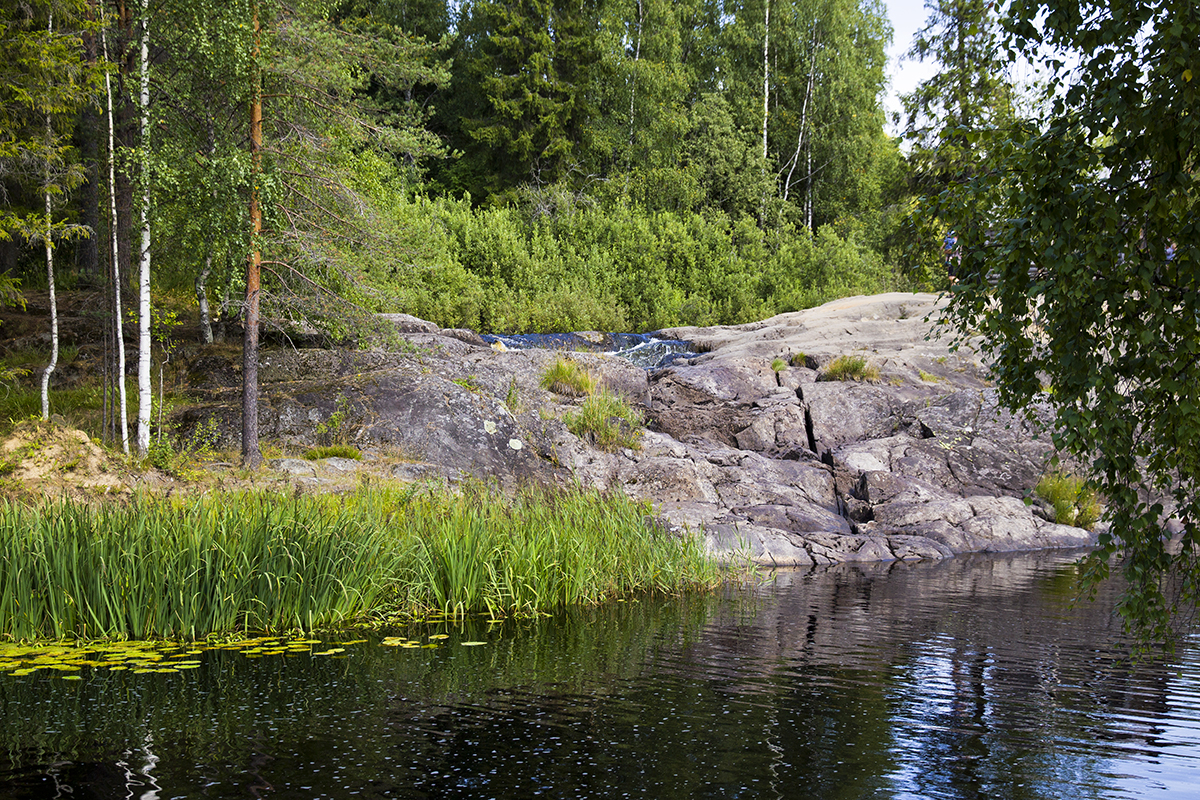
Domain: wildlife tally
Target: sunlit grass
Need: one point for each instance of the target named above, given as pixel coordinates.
(610, 420)
(1075, 501)
(270, 562)
(850, 368)
(334, 451)
(567, 377)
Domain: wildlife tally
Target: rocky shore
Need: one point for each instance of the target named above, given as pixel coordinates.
(745, 440)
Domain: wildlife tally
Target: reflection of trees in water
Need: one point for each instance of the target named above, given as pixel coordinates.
(964, 678)
(989, 680)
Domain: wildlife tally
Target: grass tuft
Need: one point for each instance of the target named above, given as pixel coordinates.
(608, 420)
(850, 368)
(334, 451)
(569, 378)
(1075, 501)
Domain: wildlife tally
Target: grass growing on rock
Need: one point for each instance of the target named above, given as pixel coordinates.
(1075, 501)
(850, 368)
(609, 420)
(263, 562)
(334, 451)
(567, 377)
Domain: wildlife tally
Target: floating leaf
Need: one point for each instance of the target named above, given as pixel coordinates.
(439, 636)
(471, 644)
(72, 677)
(331, 652)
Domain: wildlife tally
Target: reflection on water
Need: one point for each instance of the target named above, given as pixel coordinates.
(966, 678)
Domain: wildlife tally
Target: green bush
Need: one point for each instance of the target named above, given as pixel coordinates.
(588, 266)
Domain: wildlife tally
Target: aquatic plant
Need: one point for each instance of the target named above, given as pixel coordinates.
(174, 568)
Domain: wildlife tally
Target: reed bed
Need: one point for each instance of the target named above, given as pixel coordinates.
(270, 562)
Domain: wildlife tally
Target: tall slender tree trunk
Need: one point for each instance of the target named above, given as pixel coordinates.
(766, 77)
(801, 138)
(206, 331)
(50, 267)
(251, 456)
(119, 337)
(637, 55)
(145, 398)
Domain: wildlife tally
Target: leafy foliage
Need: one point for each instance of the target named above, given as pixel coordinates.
(1081, 267)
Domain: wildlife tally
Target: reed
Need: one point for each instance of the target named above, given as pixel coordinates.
(269, 562)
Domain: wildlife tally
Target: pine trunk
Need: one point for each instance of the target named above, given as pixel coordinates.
(251, 456)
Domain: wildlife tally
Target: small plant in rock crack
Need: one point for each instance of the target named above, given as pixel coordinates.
(339, 428)
(609, 420)
(567, 377)
(850, 368)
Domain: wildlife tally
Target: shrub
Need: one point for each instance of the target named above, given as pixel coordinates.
(1075, 502)
(850, 368)
(609, 420)
(567, 377)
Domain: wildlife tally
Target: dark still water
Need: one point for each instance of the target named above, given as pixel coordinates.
(970, 678)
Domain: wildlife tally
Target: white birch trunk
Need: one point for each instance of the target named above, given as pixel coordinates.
(206, 332)
(808, 92)
(766, 75)
(49, 270)
(144, 387)
(637, 56)
(116, 270)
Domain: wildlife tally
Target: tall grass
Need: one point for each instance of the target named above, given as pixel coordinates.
(270, 562)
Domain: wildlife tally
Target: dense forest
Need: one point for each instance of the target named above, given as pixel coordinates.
(504, 166)
(543, 165)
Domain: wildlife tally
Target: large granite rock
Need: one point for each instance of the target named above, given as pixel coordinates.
(779, 467)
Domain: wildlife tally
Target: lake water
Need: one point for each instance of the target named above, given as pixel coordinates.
(970, 678)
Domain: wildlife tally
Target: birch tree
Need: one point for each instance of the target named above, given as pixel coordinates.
(145, 399)
(44, 81)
